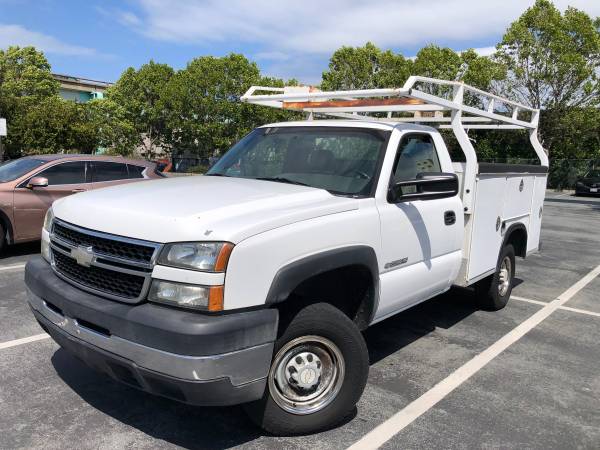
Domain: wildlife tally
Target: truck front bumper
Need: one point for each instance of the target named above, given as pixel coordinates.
(187, 356)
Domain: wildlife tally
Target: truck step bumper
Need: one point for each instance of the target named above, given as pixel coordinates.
(191, 362)
(217, 392)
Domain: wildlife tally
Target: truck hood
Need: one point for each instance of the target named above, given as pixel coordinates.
(197, 208)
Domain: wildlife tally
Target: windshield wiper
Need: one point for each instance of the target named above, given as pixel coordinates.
(282, 180)
(215, 175)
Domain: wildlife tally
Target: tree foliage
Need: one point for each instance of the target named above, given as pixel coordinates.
(365, 67)
(38, 120)
(53, 125)
(553, 60)
(116, 132)
(203, 100)
(25, 72)
(136, 102)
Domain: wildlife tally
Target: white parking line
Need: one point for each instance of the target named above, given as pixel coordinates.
(14, 343)
(388, 429)
(580, 311)
(13, 267)
(564, 308)
(528, 300)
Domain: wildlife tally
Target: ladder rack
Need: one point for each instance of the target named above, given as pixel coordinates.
(409, 98)
(453, 111)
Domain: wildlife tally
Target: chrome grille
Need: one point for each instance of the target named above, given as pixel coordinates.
(107, 281)
(115, 267)
(111, 247)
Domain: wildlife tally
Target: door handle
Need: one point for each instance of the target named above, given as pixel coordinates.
(449, 217)
(75, 191)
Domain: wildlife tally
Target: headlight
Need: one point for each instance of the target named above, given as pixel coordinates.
(203, 256)
(46, 249)
(48, 220)
(206, 298)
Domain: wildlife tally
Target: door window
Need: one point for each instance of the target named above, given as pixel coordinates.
(416, 154)
(109, 171)
(65, 173)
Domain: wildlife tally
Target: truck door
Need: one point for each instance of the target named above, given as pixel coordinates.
(421, 239)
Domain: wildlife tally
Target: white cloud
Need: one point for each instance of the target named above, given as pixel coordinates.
(319, 27)
(485, 51)
(18, 35)
(128, 18)
(272, 56)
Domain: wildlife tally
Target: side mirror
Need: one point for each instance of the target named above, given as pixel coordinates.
(426, 186)
(37, 182)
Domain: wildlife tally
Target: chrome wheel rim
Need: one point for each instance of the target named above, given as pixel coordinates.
(504, 276)
(306, 375)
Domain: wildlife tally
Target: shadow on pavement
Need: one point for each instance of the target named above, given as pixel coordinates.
(183, 425)
(26, 249)
(443, 311)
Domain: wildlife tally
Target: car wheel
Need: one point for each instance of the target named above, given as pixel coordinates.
(2, 238)
(317, 375)
(494, 291)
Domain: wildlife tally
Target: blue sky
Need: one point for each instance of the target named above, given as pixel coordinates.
(100, 39)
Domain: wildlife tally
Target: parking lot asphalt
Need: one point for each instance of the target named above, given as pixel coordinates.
(542, 390)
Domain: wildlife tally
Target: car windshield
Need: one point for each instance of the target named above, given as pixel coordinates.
(342, 160)
(593, 174)
(11, 170)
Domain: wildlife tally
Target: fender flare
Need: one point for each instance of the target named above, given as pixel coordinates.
(510, 230)
(291, 275)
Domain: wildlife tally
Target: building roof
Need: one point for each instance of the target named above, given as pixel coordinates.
(77, 83)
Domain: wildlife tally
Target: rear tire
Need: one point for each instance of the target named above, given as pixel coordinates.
(494, 291)
(2, 238)
(318, 373)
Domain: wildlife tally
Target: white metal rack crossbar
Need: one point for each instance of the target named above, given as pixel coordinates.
(454, 110)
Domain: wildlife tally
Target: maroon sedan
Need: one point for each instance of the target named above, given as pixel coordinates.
(29, 185)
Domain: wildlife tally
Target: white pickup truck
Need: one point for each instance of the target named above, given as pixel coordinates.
(252, 284)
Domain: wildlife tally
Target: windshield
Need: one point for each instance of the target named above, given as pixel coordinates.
(11, 170)
(593, 174)
(339, 159)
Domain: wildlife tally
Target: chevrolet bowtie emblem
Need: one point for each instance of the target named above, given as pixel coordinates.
(83, 255)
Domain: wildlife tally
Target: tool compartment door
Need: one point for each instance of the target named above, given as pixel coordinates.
(501, 201)
(535, 221)
(485, 235)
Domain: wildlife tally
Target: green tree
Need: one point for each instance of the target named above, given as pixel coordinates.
(205, 113)
(115, 132)
(365, 68)
(438, 62)
(369, 67)
(552, 59)
(481, 71)
(137, 103)
(446, 64)
(25, 79)
(553, 63)
(52, 125)
(25, 72)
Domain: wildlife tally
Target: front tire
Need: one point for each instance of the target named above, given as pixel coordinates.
(494, 291)
(318, 373)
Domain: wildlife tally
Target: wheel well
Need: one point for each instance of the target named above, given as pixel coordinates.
(351, 289)
(7, 227)
(518, 239)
